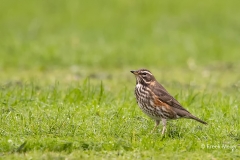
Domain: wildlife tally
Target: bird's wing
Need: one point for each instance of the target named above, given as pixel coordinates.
(165, 97)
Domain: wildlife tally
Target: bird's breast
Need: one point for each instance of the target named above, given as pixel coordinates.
(145, 101)
(149, 105)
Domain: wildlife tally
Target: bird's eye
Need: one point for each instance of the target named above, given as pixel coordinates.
(144, 74)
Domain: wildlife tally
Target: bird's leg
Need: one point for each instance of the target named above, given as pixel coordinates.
(164, 122)
(156, 124)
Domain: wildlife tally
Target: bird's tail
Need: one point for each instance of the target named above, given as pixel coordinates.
(197, 119)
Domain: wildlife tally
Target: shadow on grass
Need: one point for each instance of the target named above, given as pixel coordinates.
(107, 146)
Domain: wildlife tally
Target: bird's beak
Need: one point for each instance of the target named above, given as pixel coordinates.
(134, 72)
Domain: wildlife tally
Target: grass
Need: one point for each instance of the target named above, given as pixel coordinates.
(66, 91)
(83, 120)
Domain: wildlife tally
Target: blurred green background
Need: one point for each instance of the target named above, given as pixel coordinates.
(117, 34)
(48, 48)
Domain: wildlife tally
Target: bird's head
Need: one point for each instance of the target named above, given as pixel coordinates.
(143, 76)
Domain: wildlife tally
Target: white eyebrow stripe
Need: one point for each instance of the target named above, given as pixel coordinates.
(147, 72)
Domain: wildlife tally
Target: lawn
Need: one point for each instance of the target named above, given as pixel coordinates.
(66, 91)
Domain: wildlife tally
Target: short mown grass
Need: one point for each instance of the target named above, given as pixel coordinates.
(85, 120)
(66, 91)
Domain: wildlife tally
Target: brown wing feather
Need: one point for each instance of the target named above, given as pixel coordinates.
(165, 97)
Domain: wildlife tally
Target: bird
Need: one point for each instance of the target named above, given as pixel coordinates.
(156, 102)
